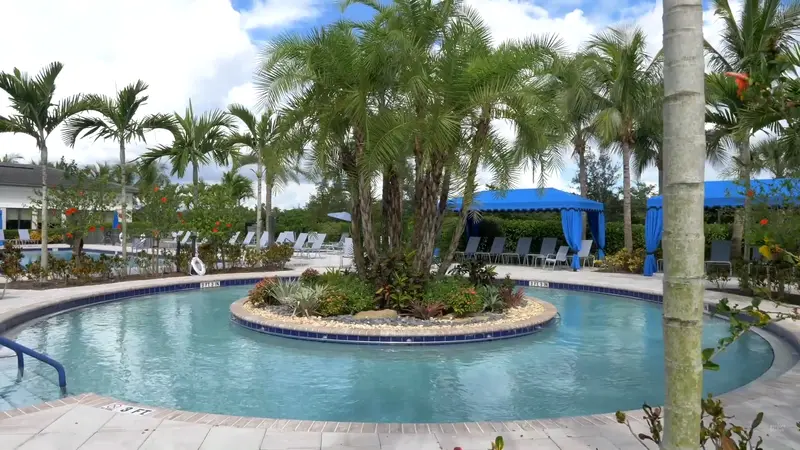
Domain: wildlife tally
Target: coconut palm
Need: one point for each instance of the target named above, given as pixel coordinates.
(683, 149)
(238, 185)
(624, 73)
(115, 120)
(37, 114)
(269, 150)
(750, 46)
(197, 141)
(13, 158)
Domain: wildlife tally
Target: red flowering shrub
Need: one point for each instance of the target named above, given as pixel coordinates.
(261, 294)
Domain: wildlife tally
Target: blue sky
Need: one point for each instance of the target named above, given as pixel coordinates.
(206, 51)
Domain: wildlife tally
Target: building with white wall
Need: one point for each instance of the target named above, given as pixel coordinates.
(18, 185)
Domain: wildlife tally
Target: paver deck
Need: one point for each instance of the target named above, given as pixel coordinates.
(81, 422)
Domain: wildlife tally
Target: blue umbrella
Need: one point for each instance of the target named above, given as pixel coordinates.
(345, 216)
(115, 223)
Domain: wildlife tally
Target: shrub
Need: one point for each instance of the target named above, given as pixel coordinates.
(464, 301)
(307, 299)
(360, 294)
(397, 281)
(425, 311)
(309, 276)
(11, 262)
(333, 303)
(508, 292)
(276, 256)
(477, 271)
(261, 294)
(284, 292)
(624, 261)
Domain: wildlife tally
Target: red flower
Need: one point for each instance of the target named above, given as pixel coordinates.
(80, 193)
(750, 193)
(216, 223)
(764, 222)
(228, 225)
(119, 226)
(155, 189)
(163, 199)
(180, 214)
(92, 228)
(102, 228)
(69, 235)
(215, 230)
(742, 82)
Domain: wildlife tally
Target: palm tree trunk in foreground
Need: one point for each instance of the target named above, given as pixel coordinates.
(626, 196)
(124, 201)
(259, 177)
(683, 241)
(268, 211)
(196, 186)
(43, 219)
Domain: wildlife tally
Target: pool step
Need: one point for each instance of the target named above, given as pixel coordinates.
(19, 394)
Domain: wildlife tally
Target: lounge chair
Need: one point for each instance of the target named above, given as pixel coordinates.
(233, 239)
(720, 255)
(547, 249)
(5, 283)
(338, 245)
(300, 242)
(347, 251)
(472, 247)
(264, 238)
(316, 246)
(523, 247)
(560, 257)
(186, 238)
(289, 236)
(585, 252)
(281, 238)
(498, 246)
(25, 237)
(248, 238)
(2, 239)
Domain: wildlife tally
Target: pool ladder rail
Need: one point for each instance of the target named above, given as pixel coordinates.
(21, 350)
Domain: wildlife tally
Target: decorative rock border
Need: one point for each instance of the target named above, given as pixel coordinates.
(393, 334)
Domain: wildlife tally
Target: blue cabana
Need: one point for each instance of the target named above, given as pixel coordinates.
(718, 194)
(547, 199)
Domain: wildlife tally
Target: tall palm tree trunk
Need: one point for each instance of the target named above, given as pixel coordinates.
(583, 176)
(364, 200)
(626, 195)
(741, 216)
(394, 209)
(683, 241)
(259, 177)
(469, 193)
(268, 210)
(43, 220)
(124, 200)
(196, 189)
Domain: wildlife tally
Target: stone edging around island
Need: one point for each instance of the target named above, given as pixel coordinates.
(397, 335)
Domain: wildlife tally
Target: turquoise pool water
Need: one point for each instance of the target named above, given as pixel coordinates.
(181, 351)
(29, 256)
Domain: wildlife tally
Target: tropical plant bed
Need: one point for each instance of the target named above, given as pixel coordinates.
(530, 310)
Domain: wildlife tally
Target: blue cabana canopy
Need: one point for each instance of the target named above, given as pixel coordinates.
(548, 199)
(718, 194)
(344, 215)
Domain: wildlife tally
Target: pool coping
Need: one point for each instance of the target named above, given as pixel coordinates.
(780, 388)
(395, 335)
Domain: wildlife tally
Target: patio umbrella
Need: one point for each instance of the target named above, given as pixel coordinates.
(345, 216)
(115, 223)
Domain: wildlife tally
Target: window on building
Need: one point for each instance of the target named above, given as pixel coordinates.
(18, 219)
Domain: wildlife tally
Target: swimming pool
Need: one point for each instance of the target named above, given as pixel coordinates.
(180, 350)
(29, 256)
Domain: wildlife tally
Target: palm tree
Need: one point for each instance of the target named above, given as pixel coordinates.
(684, 133)
(751, 44)
(13, 158)
(150, 175)
(578, 104)
(37, 115)
(197, 141)
(238, 185)
(624, 73)
(268, 150)
(116, 121)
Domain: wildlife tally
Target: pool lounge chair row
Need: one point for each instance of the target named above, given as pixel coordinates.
(547, 252)
(24, 238)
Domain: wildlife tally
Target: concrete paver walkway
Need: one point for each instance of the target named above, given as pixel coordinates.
(82, 423)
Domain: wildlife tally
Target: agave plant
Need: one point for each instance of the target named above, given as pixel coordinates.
(285, 292)
(492, 300)
(307, 299)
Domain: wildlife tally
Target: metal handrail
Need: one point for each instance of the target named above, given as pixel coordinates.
(20, 349)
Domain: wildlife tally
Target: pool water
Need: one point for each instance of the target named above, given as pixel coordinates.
(181, 351)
